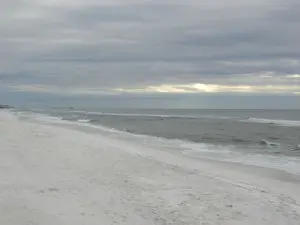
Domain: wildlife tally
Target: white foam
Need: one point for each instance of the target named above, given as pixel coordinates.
(284, 163)
(270, 121)
(84, 120)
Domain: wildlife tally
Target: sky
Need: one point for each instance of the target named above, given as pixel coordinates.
(162, 49)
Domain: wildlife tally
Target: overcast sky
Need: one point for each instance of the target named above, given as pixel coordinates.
(104, 47)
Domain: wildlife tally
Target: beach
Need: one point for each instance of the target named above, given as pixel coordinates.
(61, 173)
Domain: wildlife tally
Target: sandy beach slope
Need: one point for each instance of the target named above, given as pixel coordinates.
(59, 175)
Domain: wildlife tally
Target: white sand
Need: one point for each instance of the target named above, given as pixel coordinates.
(59, 175)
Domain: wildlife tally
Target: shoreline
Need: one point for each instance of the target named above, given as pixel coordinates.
(269, 162)
(54, 174)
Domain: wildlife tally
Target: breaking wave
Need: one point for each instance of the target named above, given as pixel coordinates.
(293, 123)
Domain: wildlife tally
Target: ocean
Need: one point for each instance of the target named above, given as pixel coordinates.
(269, 138)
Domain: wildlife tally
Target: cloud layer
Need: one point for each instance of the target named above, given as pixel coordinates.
(106, 46)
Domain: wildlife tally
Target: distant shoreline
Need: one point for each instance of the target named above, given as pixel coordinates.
(5, 107)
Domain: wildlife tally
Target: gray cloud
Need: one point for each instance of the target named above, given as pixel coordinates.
(133, 44)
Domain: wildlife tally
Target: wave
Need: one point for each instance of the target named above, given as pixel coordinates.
(293, 123)
(233, 155)
(84, 120)
(137, 115)
(239, 140)
(268, 143)
(171, 116)
(297, 148)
